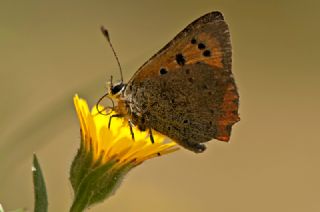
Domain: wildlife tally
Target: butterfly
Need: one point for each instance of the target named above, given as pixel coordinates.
(186, 91)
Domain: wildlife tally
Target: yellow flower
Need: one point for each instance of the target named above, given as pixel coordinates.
(106, 155)
(116, 142)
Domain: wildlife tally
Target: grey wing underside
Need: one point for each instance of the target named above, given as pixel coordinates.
(185, 105)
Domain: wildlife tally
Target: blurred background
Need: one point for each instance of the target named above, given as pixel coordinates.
(51, 50)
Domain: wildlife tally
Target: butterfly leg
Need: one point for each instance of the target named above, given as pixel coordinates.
(151, 136)
(114, 116)
(152, 139)
(131, 130)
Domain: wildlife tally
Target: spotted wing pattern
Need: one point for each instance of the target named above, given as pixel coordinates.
(186, 91)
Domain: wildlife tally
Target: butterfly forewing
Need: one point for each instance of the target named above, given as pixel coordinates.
(186, 91)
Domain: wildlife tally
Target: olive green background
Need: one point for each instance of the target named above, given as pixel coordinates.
(50, 50)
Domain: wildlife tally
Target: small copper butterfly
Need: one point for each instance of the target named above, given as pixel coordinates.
(186, 91)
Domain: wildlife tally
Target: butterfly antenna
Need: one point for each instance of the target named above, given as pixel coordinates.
(106, 35)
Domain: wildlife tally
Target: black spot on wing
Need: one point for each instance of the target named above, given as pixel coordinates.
(180, 59)
(163, 71)
(206, 53)
(201, 46)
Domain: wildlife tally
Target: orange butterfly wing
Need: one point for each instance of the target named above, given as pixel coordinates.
(203, 45)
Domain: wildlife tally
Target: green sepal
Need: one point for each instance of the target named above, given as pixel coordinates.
(40, 191)
(99, 183)
(109, 183)
(80, 166)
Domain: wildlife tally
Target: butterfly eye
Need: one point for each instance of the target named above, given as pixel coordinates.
(207, 53)
(193, 41)
(117, 88)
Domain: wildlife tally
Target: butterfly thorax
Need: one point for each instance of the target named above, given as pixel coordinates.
(125, 106)
(115, 93)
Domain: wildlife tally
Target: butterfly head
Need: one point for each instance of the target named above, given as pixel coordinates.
(116, 89)
(113, 93)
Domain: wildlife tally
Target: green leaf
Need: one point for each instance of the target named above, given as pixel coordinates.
(40, 191)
